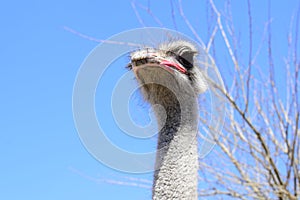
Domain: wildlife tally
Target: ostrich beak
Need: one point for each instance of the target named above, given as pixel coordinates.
(173, 65)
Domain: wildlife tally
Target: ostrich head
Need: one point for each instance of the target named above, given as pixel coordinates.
(171, 65)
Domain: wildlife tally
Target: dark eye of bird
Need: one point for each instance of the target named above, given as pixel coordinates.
(185, 61)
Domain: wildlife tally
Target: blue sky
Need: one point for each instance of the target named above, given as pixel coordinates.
(41, 154)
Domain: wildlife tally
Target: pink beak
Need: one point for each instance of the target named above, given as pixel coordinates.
(174, 65)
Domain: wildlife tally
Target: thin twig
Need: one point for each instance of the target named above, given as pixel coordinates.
(98, 40)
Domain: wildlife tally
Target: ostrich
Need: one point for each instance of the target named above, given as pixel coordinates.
(170, 82)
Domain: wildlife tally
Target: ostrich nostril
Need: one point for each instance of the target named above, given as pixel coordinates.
(142, 61)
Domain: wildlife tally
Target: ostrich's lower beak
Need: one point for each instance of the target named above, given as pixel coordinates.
(173, 65)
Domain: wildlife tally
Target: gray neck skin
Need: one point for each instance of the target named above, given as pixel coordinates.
(177, 157)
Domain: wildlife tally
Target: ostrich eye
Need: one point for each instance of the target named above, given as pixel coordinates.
(186, 60)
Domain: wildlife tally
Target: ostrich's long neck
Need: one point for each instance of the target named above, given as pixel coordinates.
(177, 158)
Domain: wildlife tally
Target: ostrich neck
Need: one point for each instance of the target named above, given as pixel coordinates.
(177, 156)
